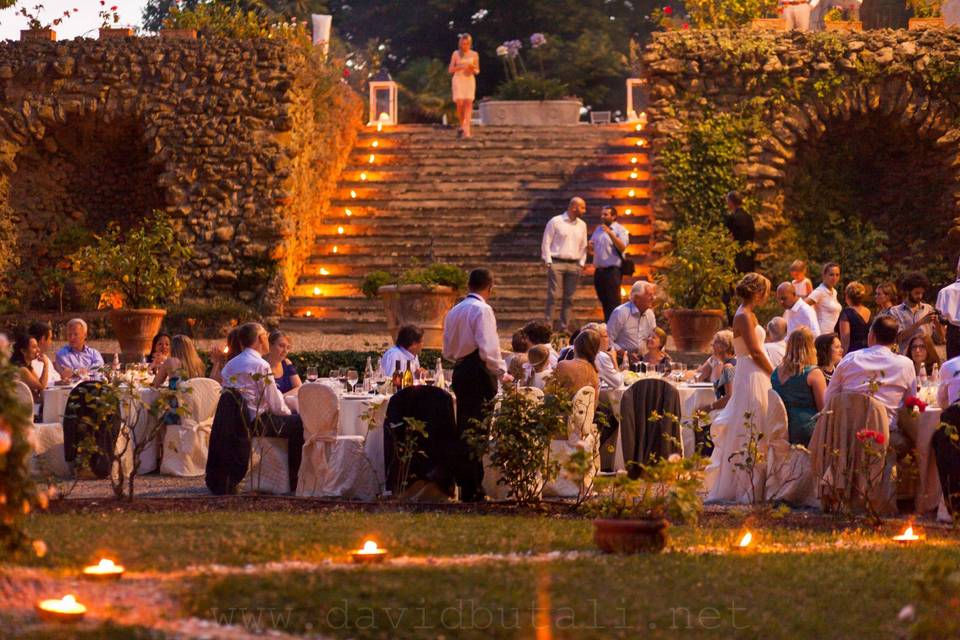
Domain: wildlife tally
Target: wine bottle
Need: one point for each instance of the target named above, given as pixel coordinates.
(397, 379)
(408, 375)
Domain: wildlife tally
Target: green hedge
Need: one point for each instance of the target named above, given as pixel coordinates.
(324, 361)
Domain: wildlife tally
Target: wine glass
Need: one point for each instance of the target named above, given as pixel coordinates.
(352, 378)
(312, 374)
(83, 372)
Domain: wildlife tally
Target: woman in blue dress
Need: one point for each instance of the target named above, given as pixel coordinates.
(801, 385)
(284, 371)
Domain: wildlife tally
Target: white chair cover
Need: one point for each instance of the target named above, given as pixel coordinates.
(185, 445)
(531, 393)
(333, 465)
(269, 466)
(46, 439)
(581, 435)
(789, 477)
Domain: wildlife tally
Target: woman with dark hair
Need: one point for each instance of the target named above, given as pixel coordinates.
(854, 322)
(923, 354)
(824, 298)
(284, 371)
(159, 350)
(655, 356)
(25, 351)
(829, 353)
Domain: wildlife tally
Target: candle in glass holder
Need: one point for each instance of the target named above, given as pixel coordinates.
(106, 569)
(744, 543)
(908, 536)
(65, 609)
(369, 554)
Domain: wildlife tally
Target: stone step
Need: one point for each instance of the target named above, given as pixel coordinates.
(556, 203)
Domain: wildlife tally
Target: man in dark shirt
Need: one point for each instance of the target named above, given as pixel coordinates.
(741, 228)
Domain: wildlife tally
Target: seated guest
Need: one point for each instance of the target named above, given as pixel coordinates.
(567, 352)
(43, 334)
(4, 346)
(606, 362)
(183, 363)
(261, 397)
(407, 349)
(719, 370)
(76, 355)
(854, 324)
(632, 323)
(655, 355)
(796, 312)
(801, 385)
(159, 350)
(581, 372)
(224, 353)
(887, 297)
(519, 345)
(776, 343)
(284, 372)
(913, 315)
(829, 353)
(25, 351)
(923, 354)
(539, 333)
(537, 369)
(877, 371)
(948, 391)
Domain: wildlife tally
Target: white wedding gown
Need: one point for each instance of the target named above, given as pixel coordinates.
(751, 388)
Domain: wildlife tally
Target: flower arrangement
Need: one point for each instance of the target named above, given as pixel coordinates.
(669, 20)
(868, 435)
(925, 8)
(35, 23)
(915, 405)
(108, 15)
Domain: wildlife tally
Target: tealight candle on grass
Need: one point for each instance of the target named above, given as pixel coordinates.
(744, 543)
(369, 554)
(908, 536)
(66, 609)
(106, 569)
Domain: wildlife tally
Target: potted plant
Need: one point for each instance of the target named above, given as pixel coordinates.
(37, 30)
(108, 17)
(773, 20)
(141, 266)
(528, 98)
(180, 24)
(926, 14)
(420, 296)
(700, 270)
(630, 515)
(839, 19)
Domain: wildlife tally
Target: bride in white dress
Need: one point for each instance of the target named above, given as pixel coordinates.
(751, 386)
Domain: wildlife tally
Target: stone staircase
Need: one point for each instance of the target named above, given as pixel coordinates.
(417, 193)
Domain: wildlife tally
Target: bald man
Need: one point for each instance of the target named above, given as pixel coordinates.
(796, 312)
(564, 251)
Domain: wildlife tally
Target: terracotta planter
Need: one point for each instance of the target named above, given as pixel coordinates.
(179, 34)
(693, 329)
(630, 536)
(843, 25)
(769, 24)
(135, 328)
(423, 306)
(926, 23)
(110, 33)
(46, 35)
(530, 112)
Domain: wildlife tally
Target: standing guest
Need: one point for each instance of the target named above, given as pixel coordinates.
(159, 350)
(824, 299)
(464, 67)
(42, 332)
(224, 353)
(922, 353)
(801, 385)
(854, 325)
(283, 370)
(656, 356)
(776, 343)
(538, 368)
(609, 242)
(184, 363)
(581, 372)
(470, 339)
(564, 251)
(801, 283)
(829, 353)
(250, 374)
(741, 227)
(25, 352)
(719, 370)
(632, 323)
(887, 297)
(913, 315)
(539, 333)
(76, 354)
(948, 305)
(408, 346)
(796, 312)
(796, 13)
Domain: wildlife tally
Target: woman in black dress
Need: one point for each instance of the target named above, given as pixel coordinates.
(854, 323)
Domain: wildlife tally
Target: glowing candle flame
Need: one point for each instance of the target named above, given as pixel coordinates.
(380, 126)
(634, 175)
(226, 350)
(106, 568)
(639, 126)
(745, 540)
(376, 143)
(66, 608)
(363, 176)
(372, 158)
(348, 212)
(353, 194)
(369, 547)
(633, 160)
(628, 212)
(308, 313)
(641, 142)
(316, 291)
(340, 230)
(336, 249)
(907, 536)
(631, 193)
(623, 292)
(323, 272)
(369, 553)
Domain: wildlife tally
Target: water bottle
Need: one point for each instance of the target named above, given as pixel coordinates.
(923, 375)
(439, 380)
(935, 374)
(625, 363)
(116, 364)
(368, 375)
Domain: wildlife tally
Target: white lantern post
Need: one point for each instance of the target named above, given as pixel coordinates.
(634, 98)
(383, 99)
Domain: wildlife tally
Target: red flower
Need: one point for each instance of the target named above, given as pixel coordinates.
(686, 25)
(113, 8)
(915, 403)
(346, 73)
(667, 11)
(867, 434)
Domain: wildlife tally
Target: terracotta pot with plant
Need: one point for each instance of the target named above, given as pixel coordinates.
(140, 268)
(927, 14)
(840, 19)
(700, 271)
(109, 19)
(36, 28)
(421, 296)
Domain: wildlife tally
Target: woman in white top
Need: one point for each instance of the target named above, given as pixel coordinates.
(824, 299)
(464, 67)
(606, 360)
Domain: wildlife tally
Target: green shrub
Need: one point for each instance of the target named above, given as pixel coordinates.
(532, 88)
(324, 361)
(701, 267)
(201, 318)
(374, 280)
(441, 274)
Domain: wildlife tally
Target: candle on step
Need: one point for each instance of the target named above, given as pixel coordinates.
(106, 569)
(65, 609)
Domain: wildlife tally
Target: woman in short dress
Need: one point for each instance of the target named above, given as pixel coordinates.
(464, 67)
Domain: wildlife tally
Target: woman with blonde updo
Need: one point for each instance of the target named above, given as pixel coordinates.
(749, 397)
(854, 324)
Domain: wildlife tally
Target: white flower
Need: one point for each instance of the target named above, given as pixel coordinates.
(674, 458)
(906, 614)
(502, 51)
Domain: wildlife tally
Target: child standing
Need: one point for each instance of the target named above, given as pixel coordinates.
(803, 285)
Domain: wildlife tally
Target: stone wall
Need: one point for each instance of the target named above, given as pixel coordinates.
(800, 95)
(241, 141)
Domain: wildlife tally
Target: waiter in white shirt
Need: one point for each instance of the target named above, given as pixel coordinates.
(470, 339)
(564, 251)
(797, 13)
(252, 376)
(796, 312)
(948, 305)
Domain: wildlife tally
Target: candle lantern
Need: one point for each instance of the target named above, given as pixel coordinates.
(383, 99)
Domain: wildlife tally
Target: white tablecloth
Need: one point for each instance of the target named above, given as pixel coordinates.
(929, 492)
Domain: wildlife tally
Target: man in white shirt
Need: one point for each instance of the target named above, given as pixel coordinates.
(776, 342)
(949, 390)
(609, 243)
(948, 304)
(632, 323)
(564, 251)
(877, 371)
(43, 334)
(251, 375)
(796, 13)
(407, 349)
(470, 339)
(797, 313)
